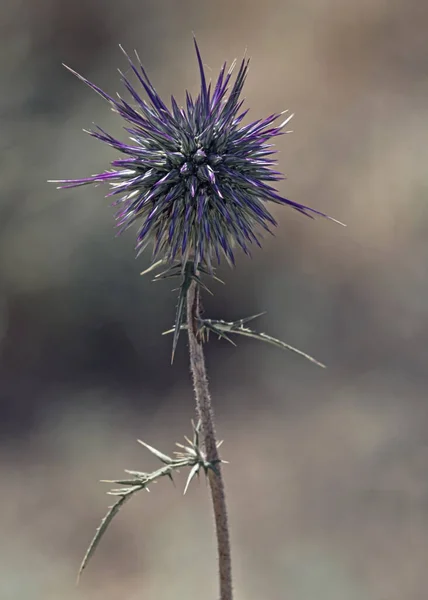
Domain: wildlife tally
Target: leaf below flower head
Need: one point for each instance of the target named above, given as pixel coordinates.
(225, 328)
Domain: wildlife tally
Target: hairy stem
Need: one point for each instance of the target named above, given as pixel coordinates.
(206, 415)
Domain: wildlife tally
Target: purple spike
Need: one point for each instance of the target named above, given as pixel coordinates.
(204, 93)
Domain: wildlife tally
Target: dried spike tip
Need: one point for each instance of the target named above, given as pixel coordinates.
(195, 179)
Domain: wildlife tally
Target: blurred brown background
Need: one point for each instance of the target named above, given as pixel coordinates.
(328, 481)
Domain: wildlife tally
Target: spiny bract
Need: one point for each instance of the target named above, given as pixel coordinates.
(196, 179)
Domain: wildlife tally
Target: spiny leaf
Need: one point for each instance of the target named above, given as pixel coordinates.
(189, 271)
(112, 512)
(251, 318)
(126, 491)
(194, 470)
(275, 342)
(163, 457)
(128, 482)
(220, 328)
(224, 328)
(154, 266)
(174, 271)
(205, 271)
(192, 456)
(222, 335)
(202, 284)
(189, 450)
(142, 475)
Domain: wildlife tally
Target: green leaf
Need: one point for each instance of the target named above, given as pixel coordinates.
(153, 267)
(206, 272)
(224, 328)
(188, 274)
(163, 457)
(263, 337)
(112, 512)
(194, 470)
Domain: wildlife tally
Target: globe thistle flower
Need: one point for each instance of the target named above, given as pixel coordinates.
(196, 179)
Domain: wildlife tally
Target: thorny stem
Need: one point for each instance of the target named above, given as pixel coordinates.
(206, 416)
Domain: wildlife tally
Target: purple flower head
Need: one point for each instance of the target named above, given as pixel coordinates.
(196, 179)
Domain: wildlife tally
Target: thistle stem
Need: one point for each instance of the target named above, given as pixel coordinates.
(205, 414)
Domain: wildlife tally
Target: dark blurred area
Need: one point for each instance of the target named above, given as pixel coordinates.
(328, 477)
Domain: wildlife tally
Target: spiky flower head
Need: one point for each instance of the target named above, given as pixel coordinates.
(196, 179)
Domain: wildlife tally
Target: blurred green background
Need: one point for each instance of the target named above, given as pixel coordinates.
(328, 485)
